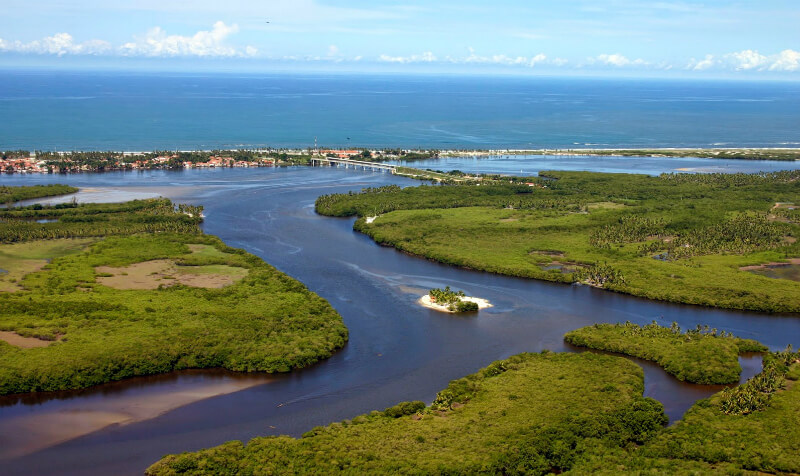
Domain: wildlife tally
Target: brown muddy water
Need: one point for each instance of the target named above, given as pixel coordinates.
(398, 350)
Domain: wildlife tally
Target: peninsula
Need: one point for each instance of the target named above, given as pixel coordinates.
(540, 414)
(689, 238)
(95, 293)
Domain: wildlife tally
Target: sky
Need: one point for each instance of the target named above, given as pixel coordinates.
(714, 38)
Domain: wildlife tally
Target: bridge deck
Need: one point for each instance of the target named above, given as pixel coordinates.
(355, 163)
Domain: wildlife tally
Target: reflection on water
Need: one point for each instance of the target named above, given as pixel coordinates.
(398, 350)
(678, 396)
(35, 421)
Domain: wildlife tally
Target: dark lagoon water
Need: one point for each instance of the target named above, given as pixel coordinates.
(397, 350)
(100, 111)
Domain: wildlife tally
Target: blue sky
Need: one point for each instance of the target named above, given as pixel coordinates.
(715, 38)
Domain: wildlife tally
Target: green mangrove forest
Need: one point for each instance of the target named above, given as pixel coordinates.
(16, 194)
(95, 293)
(688, 238)
(701, 355)
(539, 414)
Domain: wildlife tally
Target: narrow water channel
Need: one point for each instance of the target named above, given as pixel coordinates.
(397, 350)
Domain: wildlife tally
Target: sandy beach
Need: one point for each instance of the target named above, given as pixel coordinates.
(426, 302)
(26, 434)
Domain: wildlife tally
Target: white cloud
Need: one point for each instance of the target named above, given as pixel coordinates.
(786, 60)
(426, 57)
(59, 44)
(617, 60)
(474, 58)
(700, 65)
(749, 60)
(155, 43)
(540, 58)
(333, 50)
(203, 43)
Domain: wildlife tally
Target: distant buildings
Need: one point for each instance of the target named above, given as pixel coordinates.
(26, 164)
(339, 154)
(127, 161)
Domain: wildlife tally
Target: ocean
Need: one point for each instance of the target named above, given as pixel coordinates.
(126, 111)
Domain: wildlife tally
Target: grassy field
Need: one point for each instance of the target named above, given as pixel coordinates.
(679, 238)
(529, 414)
(697, 356)
(21, 259)
(217, 307)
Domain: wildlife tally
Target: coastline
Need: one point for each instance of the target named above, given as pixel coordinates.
(75, 162)
(730, 153)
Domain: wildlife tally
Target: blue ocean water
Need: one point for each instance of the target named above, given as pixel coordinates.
(125, 111)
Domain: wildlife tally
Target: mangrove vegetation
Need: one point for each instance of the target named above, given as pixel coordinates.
(538, 414)
(701, 355)
(676, 237)
(529, 414)
(10, 195)
(123, 290)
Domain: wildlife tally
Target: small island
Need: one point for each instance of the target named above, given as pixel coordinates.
(447, 300)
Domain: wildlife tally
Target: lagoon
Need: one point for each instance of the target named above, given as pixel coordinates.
(397, 350)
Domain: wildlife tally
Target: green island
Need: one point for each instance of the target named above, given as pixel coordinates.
(702, 239)
(10, 195)
(701, 355)
(95, 293)
(452, 300)
(539, 414)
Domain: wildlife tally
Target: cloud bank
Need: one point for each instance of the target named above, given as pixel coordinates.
(474, 58)
(59, 44)
(216, 43)
(155, 43)
(749, 60)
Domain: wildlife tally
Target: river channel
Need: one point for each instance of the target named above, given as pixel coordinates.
(397, 349)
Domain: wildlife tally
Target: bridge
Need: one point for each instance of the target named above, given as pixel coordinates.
(347, 163)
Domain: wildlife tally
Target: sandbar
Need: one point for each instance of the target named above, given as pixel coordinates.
(426, 302)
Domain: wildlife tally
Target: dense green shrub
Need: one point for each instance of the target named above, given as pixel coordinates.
(404, 408)
(679, 238)
(266, 322)
(16, 194)
(466, 306)
(529, 414)
(698, 355)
